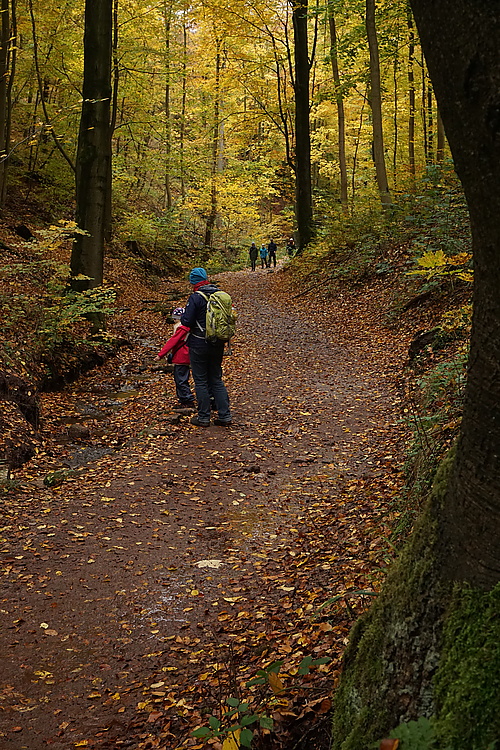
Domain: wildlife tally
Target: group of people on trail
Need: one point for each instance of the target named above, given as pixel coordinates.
(193, 346)
(267, 253)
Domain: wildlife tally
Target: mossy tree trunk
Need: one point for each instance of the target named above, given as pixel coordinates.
(430, 645)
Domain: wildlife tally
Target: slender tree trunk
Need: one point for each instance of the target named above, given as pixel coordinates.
(430, 123)
(209, 227)
(411, 97)
(340, 107)
(424, 109)
(108, 231)
(94, 147)
(167, 202)
(4, 99)
(395, 117)
(441, 139)
(303, 190)
(183, 109)
(376, 106)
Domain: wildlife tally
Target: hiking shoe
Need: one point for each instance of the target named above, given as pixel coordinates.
(223, 422)
(196, 421)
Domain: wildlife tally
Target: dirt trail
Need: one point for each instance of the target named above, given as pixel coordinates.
(160, 577)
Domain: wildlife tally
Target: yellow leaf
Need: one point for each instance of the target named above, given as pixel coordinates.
(233, 741)
(275, 683)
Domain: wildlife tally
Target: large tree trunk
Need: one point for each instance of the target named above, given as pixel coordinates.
(376, 106)
(303, 190)
(430, 645)
(94, 147)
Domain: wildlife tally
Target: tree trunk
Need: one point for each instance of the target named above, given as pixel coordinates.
(340, 107)
(411, 96)
(209, 227)
(183, 109)
(94, 147)
(376, 106)
(441, 139)
(303, 190)
(430, 645)
(167, 202)
(4, 100)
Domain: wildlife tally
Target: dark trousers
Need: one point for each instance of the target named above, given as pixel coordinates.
(272, 257)
(206, 366)
(263, 262)
(253, 262)
(182, 388)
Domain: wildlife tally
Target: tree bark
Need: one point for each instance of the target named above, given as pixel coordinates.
(209, 227)
(411, 96)
(4, 99)
(340, 107)
(167, 202)
(461, 41)
(94, 147)
(376, 107)
(303, 190)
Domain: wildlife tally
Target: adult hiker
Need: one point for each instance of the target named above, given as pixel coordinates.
(205, 357)
(253, 252)
(271, 249)
(290, 247)
(263, 256)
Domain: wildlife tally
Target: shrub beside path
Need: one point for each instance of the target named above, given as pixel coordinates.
(154, 582)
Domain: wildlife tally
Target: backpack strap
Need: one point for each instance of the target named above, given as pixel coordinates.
(203, 330)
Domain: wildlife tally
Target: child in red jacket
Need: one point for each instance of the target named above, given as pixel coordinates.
(180, 359)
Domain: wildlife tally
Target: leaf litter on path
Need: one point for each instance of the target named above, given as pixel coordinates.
(169, 571)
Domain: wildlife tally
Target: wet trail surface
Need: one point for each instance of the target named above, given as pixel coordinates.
(178, 560)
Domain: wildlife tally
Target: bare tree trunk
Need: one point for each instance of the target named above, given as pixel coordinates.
(430, 124)
(4, 99)
(167, 202)
(94, 147)
(340, 107)
(209, 227)
(441, 139)
(376, 106)
(411, 96)
(183, 108)
(303, 191)
(108, 231)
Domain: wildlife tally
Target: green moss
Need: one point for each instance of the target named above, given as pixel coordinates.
(468, 679)
(393, 649)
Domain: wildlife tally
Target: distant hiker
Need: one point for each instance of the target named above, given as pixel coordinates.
(205, 356)
(290, 247)
(271, 249)
(177, 347)
(263, 256)
(253, 252)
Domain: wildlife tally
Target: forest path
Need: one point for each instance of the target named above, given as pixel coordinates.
(153, 583)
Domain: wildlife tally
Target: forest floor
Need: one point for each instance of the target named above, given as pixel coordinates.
(174, 562)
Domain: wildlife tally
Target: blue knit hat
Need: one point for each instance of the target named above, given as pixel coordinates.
(196, 275)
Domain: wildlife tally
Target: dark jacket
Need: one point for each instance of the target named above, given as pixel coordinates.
(254, 251)
(195, 315)
(272, 247)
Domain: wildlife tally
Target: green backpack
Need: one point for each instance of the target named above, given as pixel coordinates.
(221, 317)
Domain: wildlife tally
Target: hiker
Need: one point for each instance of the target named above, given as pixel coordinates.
(271, 249)
(263, 256)
(253, 252)
(206, 357)
(177, 349)
(290, 247)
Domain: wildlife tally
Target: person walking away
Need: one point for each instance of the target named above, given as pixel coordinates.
(178, 348)
(206, 357)
(253, 252)
(263, 256)
(271, 249)
(290, 247)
